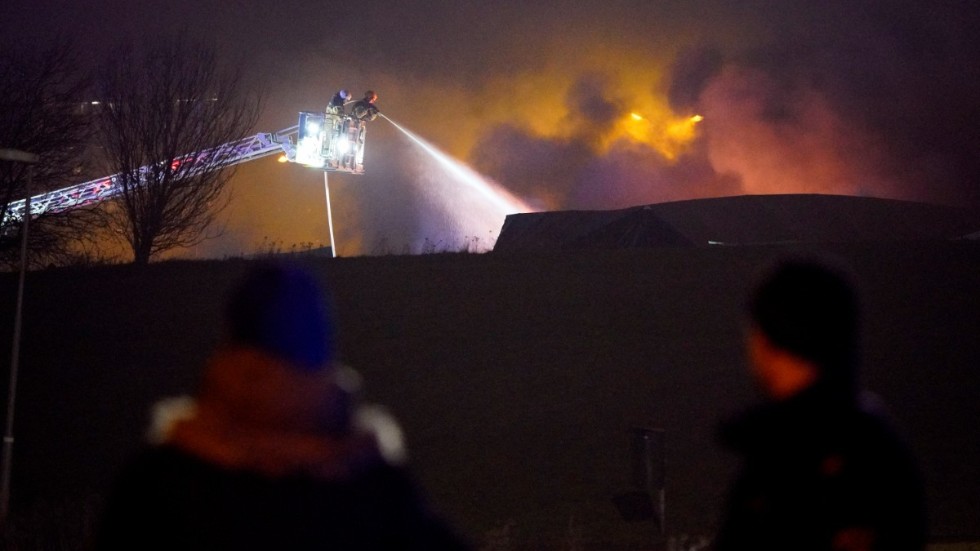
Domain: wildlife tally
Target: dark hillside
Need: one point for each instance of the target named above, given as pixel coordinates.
(517, 377)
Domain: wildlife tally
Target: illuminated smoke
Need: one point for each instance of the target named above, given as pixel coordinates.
(619, 144)
(786, 143)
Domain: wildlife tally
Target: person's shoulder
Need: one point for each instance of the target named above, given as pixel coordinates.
(873, 418)
(874, 432)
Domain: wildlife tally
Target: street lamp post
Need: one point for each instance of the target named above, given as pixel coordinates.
(8, 437)
(326, 191)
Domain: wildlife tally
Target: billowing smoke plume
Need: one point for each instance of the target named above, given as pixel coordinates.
(595, 165)
(868, 99)
(859, 99)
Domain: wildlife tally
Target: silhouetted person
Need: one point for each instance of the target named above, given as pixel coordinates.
(273, 453)
(338, 102)
(822, 468)
(364, 109)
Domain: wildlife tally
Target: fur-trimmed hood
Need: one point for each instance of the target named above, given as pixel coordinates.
(259, 413)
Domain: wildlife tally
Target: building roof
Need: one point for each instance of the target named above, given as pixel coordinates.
(739, 220)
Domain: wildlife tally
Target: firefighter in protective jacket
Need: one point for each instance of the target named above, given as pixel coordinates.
(364, 109)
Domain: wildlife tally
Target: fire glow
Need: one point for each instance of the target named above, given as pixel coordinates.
(665, 132)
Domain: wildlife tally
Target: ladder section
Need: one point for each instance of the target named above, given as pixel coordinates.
(106, 187)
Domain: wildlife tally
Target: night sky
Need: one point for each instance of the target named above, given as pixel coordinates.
(577, 105)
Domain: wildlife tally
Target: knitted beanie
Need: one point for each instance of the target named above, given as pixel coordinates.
(280, 309)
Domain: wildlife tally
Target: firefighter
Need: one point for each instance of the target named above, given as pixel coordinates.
(364, 108)
(337, 103)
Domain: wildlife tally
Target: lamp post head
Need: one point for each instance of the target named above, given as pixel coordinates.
(18, 155)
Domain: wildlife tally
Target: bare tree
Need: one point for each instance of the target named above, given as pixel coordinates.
(42, 112)
(161, 107)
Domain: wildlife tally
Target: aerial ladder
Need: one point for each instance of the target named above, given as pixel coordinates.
(332, 142)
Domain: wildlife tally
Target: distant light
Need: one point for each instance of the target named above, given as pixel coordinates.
(636, 116)
(95, 103)
(697, 118)
(282, 158)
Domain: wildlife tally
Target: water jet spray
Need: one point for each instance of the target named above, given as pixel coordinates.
(497, 196)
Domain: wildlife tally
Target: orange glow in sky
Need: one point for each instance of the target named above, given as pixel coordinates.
(656, 127)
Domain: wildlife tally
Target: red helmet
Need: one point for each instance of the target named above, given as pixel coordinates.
(371, 96)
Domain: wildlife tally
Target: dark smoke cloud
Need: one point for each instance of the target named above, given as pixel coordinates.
(864, 97)
(568, 174)
(690, 72)
(632, 174)
(589, 107)
(541, 170)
